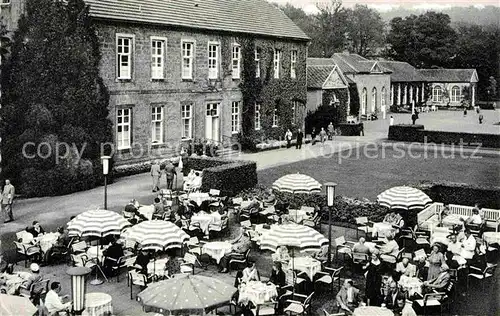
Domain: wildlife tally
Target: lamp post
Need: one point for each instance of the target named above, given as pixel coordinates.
(78, 287)
(330, 196)
(105, 171)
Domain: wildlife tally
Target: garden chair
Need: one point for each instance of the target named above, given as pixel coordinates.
(119, 264)
(136, 278)
(219, 227)
(243, 259)
(299, 304)
(328, 277)
(188, 262)
(194, 246)
(79, 247)
(29, 252)
(342, 246)
(268, 308)
(483, 275)
(362, 224)
(313, 222)
(431, 300)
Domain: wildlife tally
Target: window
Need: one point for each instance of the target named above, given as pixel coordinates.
(123, 128)
(275, 118)
(257, 63)
(437, 94)
(295, 105)
(187, 121)
(213, 61)
(374, 99)
(277, 63)
(364, 96)
(187, 60)
(124, 48)
(157, 57)
(236, 57)
(5, 2)
(257, 116)
(235, 117)
(157, 124)
(382, 98)
(293, 64)
(456, 94)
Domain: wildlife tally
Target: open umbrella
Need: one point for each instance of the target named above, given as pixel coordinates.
(156, 235)
(16, 305)
(98, 223)
(403, 197)
(297, 183)
(292, 235)
(186, 294)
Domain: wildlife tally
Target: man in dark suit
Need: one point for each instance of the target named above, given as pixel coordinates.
(300, 138)
(170, 174)
(36, 230)
(391, 300)
(440, 282)
(112, 254)
(348, 297)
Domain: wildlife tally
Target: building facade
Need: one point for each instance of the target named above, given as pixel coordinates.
(371, 79)
(175, 70)
(451, 87)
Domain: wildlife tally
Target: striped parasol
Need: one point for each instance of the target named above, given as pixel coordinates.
(403, 197)
(292, 235)
(156, 235)
(99, 223)
(297, 183)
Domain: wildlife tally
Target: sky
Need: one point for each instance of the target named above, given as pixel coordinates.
(386, 5)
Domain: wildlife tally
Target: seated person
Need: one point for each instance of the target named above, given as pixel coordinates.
(61, 245)
(479, 209)
(36, 229)
(159, 208)
(131, 211)
(141, 262)
(250, 273)
(479, 258)
(281, 254)
(239, 248)
(188, 182)
(391, 248)
(270, 199)
(454, 248)
(468, 245)
(322, 254)
(443, 213)
(278, 277)
(394, 219)
(393, 294)
(172, 267)
(405, 267)
(440, 282)
(475, 219)
(360, 247)
(254, 205)
(34, 280)
(197, 181)
(111, 256)
(53, 302)
(348, 297)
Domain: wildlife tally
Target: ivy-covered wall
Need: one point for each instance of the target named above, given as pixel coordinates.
(271, 93)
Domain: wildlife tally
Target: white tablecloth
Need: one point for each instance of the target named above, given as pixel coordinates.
(47, 241)
(217, 249)
(308, 265)
(257, 292)
(440, 237)
(198, 197)
(412, 285)
(147, 211)
(383, 229)
(98, 304)
(157, 267)
(372, 311)
(453, 219)
(205, 220)
(297, 216)
(491, 237)
(94, 250)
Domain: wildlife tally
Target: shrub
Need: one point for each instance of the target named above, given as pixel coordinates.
(350, 129)
(228, 176)
(461, 193)
(406, 133)
(247, 143)
(441, 137)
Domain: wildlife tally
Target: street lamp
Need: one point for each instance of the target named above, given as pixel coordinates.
(78, 287)
(330, 196)
(105, 171)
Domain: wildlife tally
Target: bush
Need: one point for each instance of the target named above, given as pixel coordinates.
(461, 193)
(440, 137)
(228, 176)
(350, 129)
(200, 147)
(406, 133)
(247, 143)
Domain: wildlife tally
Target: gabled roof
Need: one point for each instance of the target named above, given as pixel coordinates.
(238, 16)
(354, 63)
(322, 72)
(402, 71)
(449, 75)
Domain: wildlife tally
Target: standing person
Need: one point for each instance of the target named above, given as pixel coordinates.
(313, 136)
(170, 173)
(330, 130)
(7, 198)
(465, 111)
(288, 137)
(436, 260)
(156, 175)
(391, 121)
(300, 138)
(481, 118)
(414, 118)
(373, 280)
(322, 136)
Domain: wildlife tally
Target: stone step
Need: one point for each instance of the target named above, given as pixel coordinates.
(228, 153)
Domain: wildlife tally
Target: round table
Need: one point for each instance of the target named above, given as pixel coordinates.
(98, 304)
(147, 211)
(412, 285)
(297, 216)
(257, 292)
(157, 267)
(217, 249)
(204, 220)
(47, 241)
(308, 265)
(93, 251)
(198, 197)
(372, 311)
(491, 237)
(383, 229)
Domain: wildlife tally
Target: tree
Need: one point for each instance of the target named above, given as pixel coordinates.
(424, 41)
(492, 88)
(365, 30)
(53, 95)
(331, 28)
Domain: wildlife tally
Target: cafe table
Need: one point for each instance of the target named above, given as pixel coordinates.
(46, 241)
(94, 251)
(98, 304)
(491, 237)
(372, 311)
(147, 211)
(382, 229)
(204, 220)
(217, 249)
(157, 267)
(308, 265)
(411, 284)
(297, 216)
(257, 292)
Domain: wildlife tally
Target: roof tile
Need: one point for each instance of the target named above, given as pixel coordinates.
(447, 75)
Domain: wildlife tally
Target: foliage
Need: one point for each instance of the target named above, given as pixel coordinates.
(53, 93)
(354, 98)
(424, 41)
(201, 147)
(406, 133)
(229, 176)
(492, 88)
(330, 29)
(365, 30)
(322, 117)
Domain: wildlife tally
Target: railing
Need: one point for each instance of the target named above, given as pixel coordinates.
(491, 216)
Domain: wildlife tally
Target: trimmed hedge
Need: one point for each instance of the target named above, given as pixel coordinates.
(228, 176)
(348, 129)
(406, 133)
(461, 193)
(417, 133)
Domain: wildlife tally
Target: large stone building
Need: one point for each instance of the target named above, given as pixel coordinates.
(372, 82)
(175, 70)
(451, 87)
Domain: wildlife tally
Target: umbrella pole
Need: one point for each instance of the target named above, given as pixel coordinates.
(98, 281)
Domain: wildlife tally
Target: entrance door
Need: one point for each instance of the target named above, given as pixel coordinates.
(212, 122)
